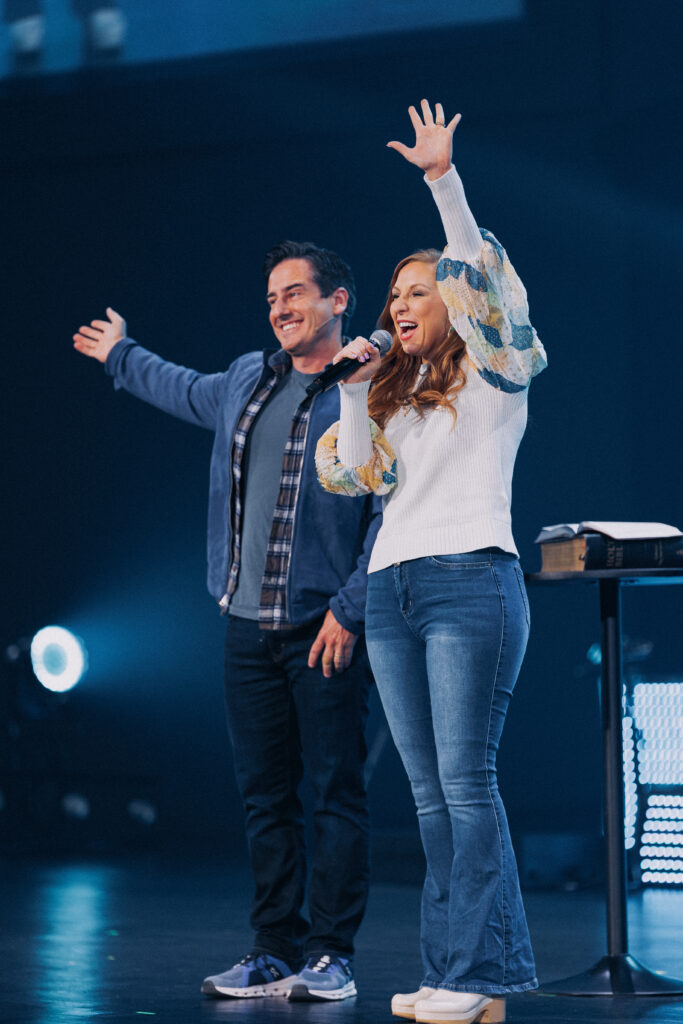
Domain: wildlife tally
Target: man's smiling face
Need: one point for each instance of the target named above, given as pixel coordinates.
(301, 318)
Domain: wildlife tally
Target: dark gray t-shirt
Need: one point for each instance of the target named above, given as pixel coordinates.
(261, 472)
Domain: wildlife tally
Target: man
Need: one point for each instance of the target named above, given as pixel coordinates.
(288, 562)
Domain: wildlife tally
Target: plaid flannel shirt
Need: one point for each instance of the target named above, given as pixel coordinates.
(273, 604)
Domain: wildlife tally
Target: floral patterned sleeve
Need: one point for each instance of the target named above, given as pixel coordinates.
(488, 307)
(377, 475)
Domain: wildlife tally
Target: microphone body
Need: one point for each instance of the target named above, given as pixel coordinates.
(334, 372)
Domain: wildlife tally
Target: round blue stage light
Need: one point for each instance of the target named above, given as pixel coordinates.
(58, 657)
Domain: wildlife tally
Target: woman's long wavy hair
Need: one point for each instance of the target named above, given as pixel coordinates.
(393, 386)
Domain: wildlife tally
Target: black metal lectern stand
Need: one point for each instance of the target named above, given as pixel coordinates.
(617, 973)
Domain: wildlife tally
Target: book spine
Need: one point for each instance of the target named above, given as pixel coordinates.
(605, 553)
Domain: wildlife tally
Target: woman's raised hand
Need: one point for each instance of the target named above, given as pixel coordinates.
(368, 359)
(433, 140)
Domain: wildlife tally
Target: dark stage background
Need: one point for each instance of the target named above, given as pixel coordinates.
(156, 188)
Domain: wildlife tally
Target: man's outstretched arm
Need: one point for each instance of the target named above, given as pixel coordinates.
(185, 393)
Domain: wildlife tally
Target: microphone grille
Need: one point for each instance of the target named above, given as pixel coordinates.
(381, 340)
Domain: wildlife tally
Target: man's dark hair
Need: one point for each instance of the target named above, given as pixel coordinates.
(329, 270)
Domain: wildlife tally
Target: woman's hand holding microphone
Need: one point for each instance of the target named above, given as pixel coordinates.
(367, 356)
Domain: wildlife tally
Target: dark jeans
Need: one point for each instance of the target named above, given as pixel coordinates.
(280, 714)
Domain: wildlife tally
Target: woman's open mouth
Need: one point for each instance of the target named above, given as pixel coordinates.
(406, 329)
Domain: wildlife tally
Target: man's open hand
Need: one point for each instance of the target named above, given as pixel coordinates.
(99, 338)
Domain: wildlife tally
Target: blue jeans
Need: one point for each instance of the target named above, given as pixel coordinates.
(280, 713)
(446, 637)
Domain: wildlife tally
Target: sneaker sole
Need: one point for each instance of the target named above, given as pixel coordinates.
(303, 994)
(273, 988)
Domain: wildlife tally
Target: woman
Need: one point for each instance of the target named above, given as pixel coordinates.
(447, 619)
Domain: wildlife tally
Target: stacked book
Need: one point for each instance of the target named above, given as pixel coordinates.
(575, 547)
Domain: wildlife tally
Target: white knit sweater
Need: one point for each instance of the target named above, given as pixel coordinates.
(453, 491)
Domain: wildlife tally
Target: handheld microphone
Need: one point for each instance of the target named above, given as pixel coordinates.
(334, 372)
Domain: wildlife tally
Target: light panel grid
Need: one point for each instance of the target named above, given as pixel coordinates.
(655, 720)
(630, 785)
(658, 715)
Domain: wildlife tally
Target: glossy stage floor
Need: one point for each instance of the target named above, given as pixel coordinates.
(130, 940)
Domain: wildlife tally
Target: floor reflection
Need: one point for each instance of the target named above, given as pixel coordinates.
(75, 942)
(133, 939)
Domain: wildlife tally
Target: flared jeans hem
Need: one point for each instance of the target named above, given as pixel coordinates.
(485, 989)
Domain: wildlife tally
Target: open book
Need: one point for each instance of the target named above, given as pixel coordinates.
(617, 531)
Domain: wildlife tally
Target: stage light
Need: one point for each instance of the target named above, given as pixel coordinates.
(663, 878)
(13, 652)
(630, 787)
(657, 710)
(58, 657)
(659, 715)
(142, 811)
(594, 654)
(75, 806)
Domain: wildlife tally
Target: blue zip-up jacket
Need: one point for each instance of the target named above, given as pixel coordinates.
(332, 538)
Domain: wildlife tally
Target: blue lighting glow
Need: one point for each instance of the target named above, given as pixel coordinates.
(159, 30)
(59, 658)
(662, 878)
(658, 711)
(594, 654)
(657, 725)
(630, 787)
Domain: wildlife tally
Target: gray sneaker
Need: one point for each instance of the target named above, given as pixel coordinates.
(323, 977)
(256, 974)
